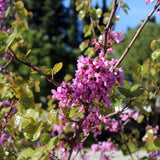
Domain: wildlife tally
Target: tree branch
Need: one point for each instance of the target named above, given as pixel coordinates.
(136, 35)
(115, 5)
(33, 67)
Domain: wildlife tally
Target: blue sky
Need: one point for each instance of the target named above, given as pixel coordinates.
(138, 11)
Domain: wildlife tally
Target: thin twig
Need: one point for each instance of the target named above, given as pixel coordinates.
(136, 35)
(115, 5)
(33, 67)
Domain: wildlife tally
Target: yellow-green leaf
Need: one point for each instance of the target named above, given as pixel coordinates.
(57, 67)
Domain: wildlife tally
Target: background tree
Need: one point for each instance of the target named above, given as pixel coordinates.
(141, 49)
(50, 44)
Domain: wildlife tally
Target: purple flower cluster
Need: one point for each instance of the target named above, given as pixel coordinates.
(94, 79)
(154, 155)
(6, 104)
(104, 147)
(4, 138)
(3, 7)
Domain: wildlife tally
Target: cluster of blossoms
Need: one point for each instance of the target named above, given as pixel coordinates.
(104, 147)
(11, 110)
(94, 79)
(3, 7)
(151, 1)
(4, 139)
(112, 37)
(154, 155)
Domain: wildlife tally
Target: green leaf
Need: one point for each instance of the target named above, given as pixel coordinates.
(83, 45)
(52, 143)
(140, 118)
(155, 54)
(11, 38)
(26, 96)
(2, 154)
(37, 88)
(132, 147)
(68, 129)
(67, 77)
(136, 68)
(65, 111)
(87, 30)
(79, 6)
(25, 154)
(32, 115)
(57, 67)
(52, 116)
(117, 103)
(3, 111)
(37, 153)
(32, 132)
(8, 10)
(17, 121)
(45, 138)
(153, 44)
(73, 111)
(46, 70)
(96, 13)
(136, 90)
(90, 52)
(3, 37)
(152, 145)
(21, 56)
(143, 111)
(157, 67)
(81, 14)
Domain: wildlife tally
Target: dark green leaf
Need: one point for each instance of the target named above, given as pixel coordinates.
(136, 90)
(45, 138)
